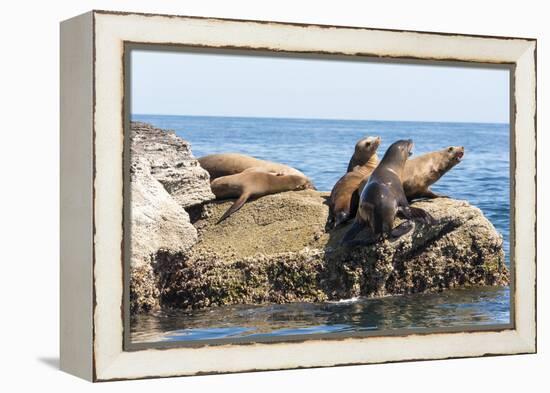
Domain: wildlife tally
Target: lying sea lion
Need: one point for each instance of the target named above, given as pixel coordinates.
(225, 164)
(255, 182)
(383, 198)
(361, 154)
(423, 171)
(344, 197)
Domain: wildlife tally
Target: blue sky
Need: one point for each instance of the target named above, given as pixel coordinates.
(179, 83)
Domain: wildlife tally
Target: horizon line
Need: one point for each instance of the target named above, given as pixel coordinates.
(322, 118)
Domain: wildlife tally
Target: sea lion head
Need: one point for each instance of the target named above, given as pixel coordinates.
(398, 153)
(301, 183)
(366, 147)
(454, 155)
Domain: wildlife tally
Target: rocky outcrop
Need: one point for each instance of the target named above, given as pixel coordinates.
(158, 221)
(275, 249)
(171, 163)
(164, 178)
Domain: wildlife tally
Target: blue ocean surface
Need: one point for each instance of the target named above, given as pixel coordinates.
(321, 149)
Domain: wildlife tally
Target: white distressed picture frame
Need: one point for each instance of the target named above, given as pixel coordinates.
(92, 146)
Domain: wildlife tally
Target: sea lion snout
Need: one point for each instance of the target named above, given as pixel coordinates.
(309, 186)
(399, 152)
(410, 145)
(457, 152)
(367, 144)
(373, 140)
(460, 152)
(376, 142)
(370, 145)
(303, 183)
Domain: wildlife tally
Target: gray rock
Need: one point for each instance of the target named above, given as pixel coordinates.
(275, 249)
(157, 222)
(164, 179)
(171, 163)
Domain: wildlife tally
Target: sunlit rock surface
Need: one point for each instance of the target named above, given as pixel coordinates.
(275, 249)
(171, 163)
(164, 179)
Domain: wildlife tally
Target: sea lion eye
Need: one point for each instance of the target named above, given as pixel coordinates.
(450, 149)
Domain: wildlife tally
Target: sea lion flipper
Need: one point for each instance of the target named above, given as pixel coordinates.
(340, 218)
(354, 203)
(431, 195)
(421, 215)
(400, 230)
(415, 213)
(236, 206)
(357, 226)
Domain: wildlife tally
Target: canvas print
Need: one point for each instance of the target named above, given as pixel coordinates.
(277, 197)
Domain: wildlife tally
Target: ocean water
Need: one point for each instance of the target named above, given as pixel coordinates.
(321, 149)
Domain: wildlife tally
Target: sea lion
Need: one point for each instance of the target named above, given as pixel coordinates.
(423, 171)
(344, 197)
(361, 154)
(255, 182)
(225, 164)
(383, 198)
